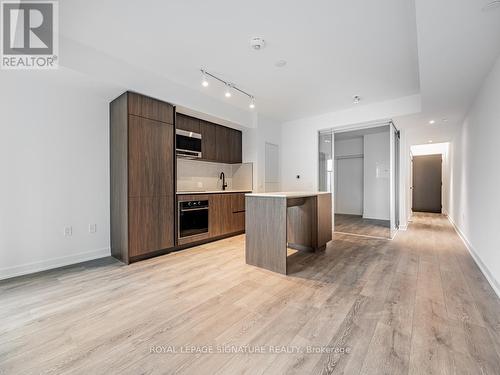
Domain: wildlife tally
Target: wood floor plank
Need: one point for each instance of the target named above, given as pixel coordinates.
(414, 305)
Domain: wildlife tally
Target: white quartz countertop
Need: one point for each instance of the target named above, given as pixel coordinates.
(288, 194)
(212, 192)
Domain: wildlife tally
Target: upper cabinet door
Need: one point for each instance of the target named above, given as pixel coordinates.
(150, 152)
(223, 143)
(143, 178)
(150, 108)
(235, 146)
(208, 140)
(187, 123)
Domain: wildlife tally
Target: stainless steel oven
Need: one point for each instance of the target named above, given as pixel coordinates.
(188, 144)
(193, 218)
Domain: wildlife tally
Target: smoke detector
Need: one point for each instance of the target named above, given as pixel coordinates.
(257, 43)
(356, 99)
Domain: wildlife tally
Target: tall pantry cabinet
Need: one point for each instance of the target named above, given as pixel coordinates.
(142, 162)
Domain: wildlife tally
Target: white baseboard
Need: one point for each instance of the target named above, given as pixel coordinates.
(403, 227)
(486, 272)
(374, 217)
(24, 269)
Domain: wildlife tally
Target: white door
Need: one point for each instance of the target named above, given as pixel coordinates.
(349, 186)
(272, 168)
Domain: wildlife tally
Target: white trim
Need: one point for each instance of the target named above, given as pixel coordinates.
(485, 271)
(403, 227)
(27, 268)
(374, 217)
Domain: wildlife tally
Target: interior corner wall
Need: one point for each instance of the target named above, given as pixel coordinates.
(475, 177)
(265, 130)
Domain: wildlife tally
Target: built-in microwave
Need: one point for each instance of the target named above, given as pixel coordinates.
(188, 144)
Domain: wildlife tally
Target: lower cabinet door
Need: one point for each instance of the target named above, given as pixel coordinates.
(166, 216)
(143, 225)
(151, 224)
(220, 214)
(238, 222)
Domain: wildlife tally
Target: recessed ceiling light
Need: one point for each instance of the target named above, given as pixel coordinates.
(280, 63)
(491, 5)
(356, 99)
(252, 103)
(430, 141)
(432, 122)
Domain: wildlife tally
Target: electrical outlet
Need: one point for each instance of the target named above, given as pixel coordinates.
(92, 228)
(68, 231)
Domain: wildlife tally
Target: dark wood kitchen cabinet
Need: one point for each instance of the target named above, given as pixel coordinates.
(229, 145)
(235, 146)
(208, 141)
(238, 212)
(227, 214)
(142, 160)
(220, 214)
(187, 123)
(223, 139)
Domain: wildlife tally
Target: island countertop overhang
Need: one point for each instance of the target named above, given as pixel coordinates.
(288, 194)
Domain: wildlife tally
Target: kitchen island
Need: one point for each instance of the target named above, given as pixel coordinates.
(277, 221)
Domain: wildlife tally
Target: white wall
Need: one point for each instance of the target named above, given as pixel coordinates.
(254, 147)
(54, 158)
(376, 197)
(348, 176)
(300, 137)
(475, 178)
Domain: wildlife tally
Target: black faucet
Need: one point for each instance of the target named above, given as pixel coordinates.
(223, 178)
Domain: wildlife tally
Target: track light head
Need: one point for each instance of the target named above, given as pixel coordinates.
(204, 79)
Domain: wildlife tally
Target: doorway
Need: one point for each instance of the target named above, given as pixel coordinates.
(271, 174)
(355, 165)
(427, 183)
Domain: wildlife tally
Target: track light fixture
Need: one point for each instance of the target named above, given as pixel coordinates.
(227, 94)
(204, 79)
(229, 87)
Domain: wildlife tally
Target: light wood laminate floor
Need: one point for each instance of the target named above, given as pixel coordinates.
(355, 224)
(415, 305)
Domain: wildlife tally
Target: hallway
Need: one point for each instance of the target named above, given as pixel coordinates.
(414, 305)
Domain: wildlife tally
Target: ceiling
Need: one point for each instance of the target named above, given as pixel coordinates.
(334, 49)
(458, 44)
(380, 50)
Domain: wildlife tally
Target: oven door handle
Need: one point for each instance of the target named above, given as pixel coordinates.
(194, 209)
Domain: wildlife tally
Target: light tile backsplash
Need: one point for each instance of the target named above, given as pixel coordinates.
(196, 175)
